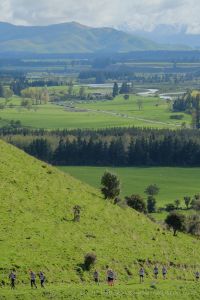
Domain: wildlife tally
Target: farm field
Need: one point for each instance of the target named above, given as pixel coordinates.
(55, 117)
(153, 109)
(174, 183)
(100, 114)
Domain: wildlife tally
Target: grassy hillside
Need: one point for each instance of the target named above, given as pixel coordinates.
(174, 183)
(37, 231)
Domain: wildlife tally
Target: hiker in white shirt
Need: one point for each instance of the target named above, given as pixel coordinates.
(164, 272)
(197, 275)
(141, 274)
(155, 271)
(33, 279)
(42, 279)
(12, 277)
(96, 276)
(110, 277)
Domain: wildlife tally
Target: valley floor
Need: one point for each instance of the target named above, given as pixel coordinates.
(174, 183)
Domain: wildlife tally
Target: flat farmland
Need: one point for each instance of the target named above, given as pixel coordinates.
(174, 183)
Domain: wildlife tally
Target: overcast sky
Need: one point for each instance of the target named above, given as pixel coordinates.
(134, 14)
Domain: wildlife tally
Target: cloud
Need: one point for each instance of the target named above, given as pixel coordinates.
(134, 14)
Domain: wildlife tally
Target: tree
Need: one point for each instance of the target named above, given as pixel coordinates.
(125, 88)
(110, 185)
(196, 204)
(187, 201)
(126, 97)
(151, 204)
(177, 203)
(136, 202)
(26, 103)
(197, 111)
(115, 90)
(152, 190)
(193, 225)
(82, 92)
(70, 89)
(7, 93)
(170, 207)
(40, 148)
(45, 95)
(1, 90)
(176, 222)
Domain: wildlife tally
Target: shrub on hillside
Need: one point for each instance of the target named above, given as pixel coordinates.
(187, 201)
(193, 225)
(137, 202)
(196, 204)
(175, 221)
(151, 204)
(170, 207)
(152, 190)
(89, 260)
(110, 185)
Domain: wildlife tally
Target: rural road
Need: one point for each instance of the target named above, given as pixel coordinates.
(117, 114)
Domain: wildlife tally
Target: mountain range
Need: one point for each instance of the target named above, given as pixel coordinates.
(169, 35)
(72, 38)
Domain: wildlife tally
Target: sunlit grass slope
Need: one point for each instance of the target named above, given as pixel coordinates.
(37, 231)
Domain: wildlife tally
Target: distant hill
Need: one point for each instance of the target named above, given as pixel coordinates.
(71, 38)
(171, 35)
(37, 231)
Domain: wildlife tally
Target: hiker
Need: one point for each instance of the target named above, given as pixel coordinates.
(110, 277)
(141, 274)
(12, 278)
(96, 276)
(164, 272)
(42, 279)
(197, 275)
(33, 279)
(155, 271)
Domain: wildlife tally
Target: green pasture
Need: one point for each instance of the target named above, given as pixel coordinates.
(99, 114)
(153, 109)
(174, 183)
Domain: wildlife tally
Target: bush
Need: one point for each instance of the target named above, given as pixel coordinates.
(117, 200)
(196, 204)
(176, 222)
(89, 260)
(151, 204)
(152, 190)
(126, 97)
(193, 225)
(170, 207)
(176, 117)
(136, 202)
(110, 185)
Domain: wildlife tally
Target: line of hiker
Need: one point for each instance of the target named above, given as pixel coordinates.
(110, 276)
(155, 273)
(12, 277)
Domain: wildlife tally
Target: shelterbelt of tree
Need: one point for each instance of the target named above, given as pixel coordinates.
(109, 147)
(37, 230)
